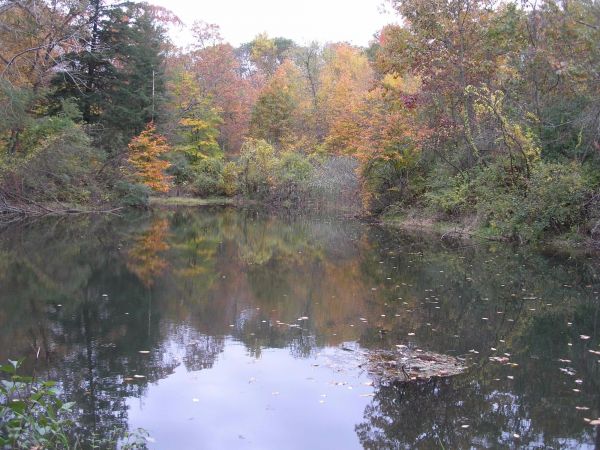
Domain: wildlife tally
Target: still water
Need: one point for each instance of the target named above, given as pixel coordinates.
(233, 329)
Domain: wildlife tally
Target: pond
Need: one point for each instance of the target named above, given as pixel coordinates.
(225, 328)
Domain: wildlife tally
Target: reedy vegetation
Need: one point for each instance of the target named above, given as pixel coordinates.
(468, 110)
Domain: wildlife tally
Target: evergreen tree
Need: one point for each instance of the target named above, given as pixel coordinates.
(118, 80)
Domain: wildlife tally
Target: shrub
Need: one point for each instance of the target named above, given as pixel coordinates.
(292, 168)
(33, 416)
(180, 170)
(256, 162)
(31, 412)
(208, 177)
(449, 194)
(384, 183)
(132, 194)
(551, 201)
(60, 164)
(230, 179)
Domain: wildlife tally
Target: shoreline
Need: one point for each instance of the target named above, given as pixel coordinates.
(468, 232)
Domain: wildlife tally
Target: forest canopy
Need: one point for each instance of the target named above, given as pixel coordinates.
(466, 111)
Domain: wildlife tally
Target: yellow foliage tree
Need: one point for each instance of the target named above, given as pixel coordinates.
(144, 155)
(344, 84)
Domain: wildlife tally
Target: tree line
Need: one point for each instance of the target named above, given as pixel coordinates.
(465, 111)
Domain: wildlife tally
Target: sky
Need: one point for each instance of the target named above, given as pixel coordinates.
(354, 21)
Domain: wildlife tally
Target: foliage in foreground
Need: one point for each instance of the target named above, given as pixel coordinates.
(32, 415)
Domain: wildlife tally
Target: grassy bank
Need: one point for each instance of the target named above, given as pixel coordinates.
(189, 201)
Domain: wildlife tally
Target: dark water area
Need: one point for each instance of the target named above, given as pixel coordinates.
(234, 329)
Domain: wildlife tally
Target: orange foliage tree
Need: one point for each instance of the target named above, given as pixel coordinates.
(144, 155)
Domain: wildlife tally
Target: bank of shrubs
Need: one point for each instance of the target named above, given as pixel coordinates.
(278, 178)
(57, 168)
(555, 199)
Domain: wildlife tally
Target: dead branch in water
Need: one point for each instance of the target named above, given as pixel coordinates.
(14, 208)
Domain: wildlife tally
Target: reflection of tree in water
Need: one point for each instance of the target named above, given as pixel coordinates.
(414, 415)
(250, 271)
(528, 304)
(200, 351)
(481, 408)
(144, 255)
(89, 316)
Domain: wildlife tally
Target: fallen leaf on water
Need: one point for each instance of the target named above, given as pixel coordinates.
(500, 359)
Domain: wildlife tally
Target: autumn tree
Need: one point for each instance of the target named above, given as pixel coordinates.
(277, 112)
(219, 75)
(343, 85)
(445, 43)
(145, 153)
(194, 120)
(265, 54)
(33, 36)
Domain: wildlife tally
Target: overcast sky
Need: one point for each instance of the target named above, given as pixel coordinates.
(303, 21)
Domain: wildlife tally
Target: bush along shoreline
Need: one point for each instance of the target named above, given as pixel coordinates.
(557, 205)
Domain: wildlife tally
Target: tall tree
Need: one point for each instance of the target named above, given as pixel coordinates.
(276, 113)
(344, 83)
(118, 76)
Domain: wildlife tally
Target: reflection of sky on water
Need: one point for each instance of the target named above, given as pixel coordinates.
(234, 305)
(276, 401)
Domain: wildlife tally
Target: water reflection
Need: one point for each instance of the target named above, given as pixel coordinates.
(245, 314)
